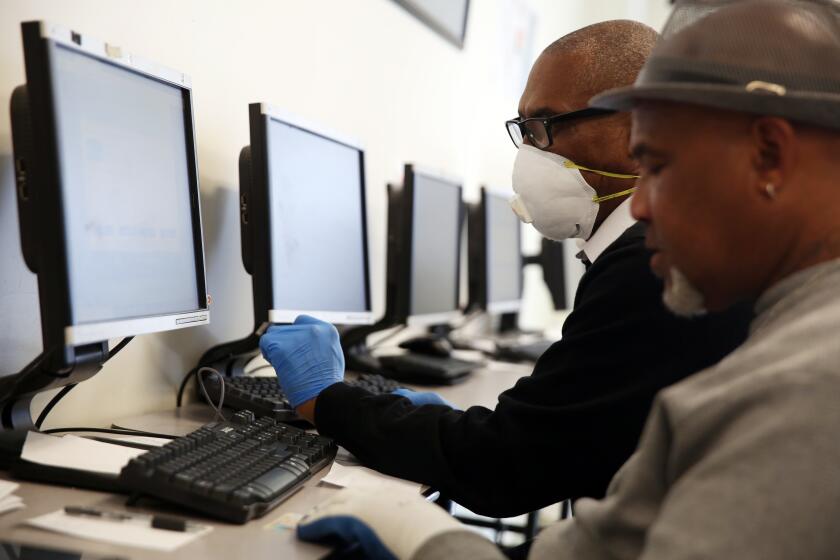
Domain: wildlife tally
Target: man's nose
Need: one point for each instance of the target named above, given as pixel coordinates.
(639, 204)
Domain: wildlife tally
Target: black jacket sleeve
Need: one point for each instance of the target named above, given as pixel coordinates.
(563, 431)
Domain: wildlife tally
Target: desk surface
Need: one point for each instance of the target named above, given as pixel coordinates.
(255, 540)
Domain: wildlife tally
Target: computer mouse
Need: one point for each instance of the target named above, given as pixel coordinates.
(429, 345)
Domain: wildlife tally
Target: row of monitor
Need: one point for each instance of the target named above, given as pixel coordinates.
(305, 243)
(110, 219)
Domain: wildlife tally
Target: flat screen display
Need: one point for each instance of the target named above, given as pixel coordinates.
(435, 242)
(503, 251)
(124, 166)
(317, 222)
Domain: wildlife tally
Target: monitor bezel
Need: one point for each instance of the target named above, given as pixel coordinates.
(441, 317)
(260, 115)
(504, 306)
(40, 40)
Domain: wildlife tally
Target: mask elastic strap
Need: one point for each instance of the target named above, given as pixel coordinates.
(600, 199)
(572, 165)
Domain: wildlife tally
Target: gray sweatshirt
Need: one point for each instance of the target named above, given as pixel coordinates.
(739, 461)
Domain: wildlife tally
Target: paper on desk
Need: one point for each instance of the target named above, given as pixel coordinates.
(129, 534)
(73, 452)
(367, 479)
(7, 488)
(11, 503)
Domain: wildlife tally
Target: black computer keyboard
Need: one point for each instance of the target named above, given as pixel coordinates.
(235, 470)
(423, 369)
(529, 352)
(374, 383)
(263, 396)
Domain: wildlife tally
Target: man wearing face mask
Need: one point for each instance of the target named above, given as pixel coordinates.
(565, 430)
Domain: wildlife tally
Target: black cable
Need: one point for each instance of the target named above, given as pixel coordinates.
(111, 431)
(60, 395)
(122, 344)
(183, 386)
(216, 407)
(50, 405)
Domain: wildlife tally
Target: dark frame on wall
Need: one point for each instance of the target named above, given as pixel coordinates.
(436, 23)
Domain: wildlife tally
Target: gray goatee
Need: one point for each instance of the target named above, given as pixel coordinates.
(682, 298)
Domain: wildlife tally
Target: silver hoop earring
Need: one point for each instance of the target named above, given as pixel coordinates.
(770, 190)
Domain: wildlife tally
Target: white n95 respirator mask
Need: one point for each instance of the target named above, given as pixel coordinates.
(552, 195)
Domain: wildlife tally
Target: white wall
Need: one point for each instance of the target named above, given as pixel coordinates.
(363, 67)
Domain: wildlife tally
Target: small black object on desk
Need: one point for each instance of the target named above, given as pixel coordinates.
(165, 522)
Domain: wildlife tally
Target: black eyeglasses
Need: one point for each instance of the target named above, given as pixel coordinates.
(538, 129)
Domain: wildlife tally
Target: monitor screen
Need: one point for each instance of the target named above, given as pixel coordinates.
(504, 274)
(435, 254)
(124, 167)
(317, 226)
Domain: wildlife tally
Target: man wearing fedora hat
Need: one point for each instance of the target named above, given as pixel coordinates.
(736, 129)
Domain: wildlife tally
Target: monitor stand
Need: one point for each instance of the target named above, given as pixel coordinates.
(47, 371)
(509, 323)
(357, 354)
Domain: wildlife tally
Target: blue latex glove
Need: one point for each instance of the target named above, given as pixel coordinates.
(306, 356)
(347, 534)
(419, 398)
(382, 525)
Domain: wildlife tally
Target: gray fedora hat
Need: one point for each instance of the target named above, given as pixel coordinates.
(768, 57)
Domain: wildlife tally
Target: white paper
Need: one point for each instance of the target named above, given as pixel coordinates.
(8, 501)
(73, 452)
(127, 533)
(11, 503)
(367, 479)
(7, 488)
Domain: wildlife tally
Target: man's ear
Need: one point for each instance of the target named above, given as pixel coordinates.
(775, 144)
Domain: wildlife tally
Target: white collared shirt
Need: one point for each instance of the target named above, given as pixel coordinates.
(609, 230)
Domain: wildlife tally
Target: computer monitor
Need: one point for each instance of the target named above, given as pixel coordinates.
(107, 190)
(495, 255)
(304, 231)
(424, 250)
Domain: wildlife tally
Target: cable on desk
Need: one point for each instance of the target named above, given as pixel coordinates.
(60, 395)
(200, 379)
(118, 431)
(180, 396)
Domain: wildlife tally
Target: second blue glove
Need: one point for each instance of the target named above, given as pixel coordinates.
(306, 356)
(419, 398)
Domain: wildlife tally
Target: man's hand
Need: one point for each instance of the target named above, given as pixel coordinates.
(383, 525)
(306, 356)
(419, 398)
